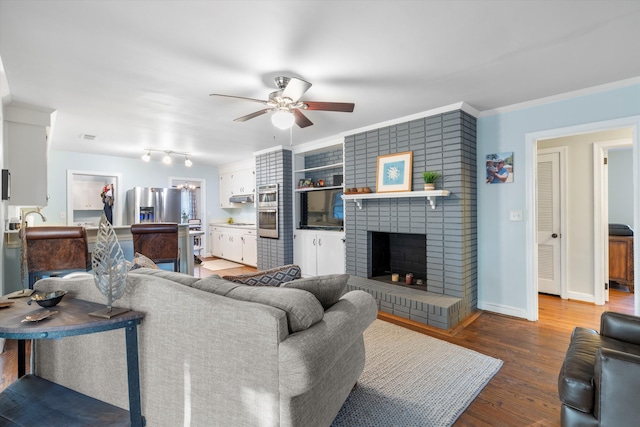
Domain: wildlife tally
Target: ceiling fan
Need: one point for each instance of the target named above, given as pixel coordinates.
(286, 104)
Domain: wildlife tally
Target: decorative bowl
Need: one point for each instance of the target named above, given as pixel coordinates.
(47, 299)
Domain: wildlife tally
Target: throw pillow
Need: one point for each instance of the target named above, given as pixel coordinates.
(141, 261)
(327, 289)
(273, 277)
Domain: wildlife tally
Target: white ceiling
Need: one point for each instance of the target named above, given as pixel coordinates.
(138, 74)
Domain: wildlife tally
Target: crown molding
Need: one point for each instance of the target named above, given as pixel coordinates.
(561, 97)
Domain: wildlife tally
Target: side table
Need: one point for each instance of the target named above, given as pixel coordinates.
(35, 401)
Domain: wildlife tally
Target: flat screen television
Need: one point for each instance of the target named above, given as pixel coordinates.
(322, 209)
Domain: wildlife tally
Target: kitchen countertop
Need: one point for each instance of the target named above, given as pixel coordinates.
(238, 225)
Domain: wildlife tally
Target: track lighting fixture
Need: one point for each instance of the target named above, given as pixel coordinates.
(166, 159)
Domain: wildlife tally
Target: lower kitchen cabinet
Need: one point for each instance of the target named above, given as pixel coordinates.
(238, 245)
(319, 252)
(250, 249)
(215, 238)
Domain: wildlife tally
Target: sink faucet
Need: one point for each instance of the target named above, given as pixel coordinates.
(23, 244)
(37, 211)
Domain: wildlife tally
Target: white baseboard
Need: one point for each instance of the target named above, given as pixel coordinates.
(579, 296)
(503, 309)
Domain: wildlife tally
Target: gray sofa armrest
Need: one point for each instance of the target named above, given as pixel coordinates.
(623, 327)
(305, 357)
(617, 381)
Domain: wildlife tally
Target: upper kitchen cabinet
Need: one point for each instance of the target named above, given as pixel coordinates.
(87, 190)
(25, 131)
(236, 180)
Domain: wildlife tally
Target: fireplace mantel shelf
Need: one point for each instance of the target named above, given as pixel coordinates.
(430, 195)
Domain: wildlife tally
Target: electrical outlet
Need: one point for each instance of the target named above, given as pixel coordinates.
(515, 215)
(63, 215)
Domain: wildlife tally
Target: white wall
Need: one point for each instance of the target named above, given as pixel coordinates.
(504, 266)
(621, 186)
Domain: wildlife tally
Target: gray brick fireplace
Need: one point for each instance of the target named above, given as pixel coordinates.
(444, 142)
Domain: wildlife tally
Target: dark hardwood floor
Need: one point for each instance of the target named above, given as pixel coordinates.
(524, 391)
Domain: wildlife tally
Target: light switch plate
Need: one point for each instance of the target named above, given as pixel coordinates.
(515, 215)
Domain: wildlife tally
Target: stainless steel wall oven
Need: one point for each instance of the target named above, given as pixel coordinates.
(268, 211)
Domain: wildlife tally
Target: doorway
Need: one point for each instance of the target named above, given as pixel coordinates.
(197, 189)
(590, 282)
(601, 211)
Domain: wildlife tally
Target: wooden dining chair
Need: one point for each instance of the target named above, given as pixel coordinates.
(55, 251)
(157, 241)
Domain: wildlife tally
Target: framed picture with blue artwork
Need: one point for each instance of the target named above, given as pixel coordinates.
(394, 172)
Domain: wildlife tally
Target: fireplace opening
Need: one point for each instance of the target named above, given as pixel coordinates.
(401, 254)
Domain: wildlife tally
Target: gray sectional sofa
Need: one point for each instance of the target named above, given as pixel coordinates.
(217, 353)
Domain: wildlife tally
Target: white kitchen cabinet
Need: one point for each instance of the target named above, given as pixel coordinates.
(250, 249)
(226, 189)
(319, 252)
(216, 238)
(234, 244)
(232, 247)
(234, 183)
(27, 161)
(86, 195)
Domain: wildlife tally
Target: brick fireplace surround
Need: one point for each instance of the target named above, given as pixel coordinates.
(444, 142)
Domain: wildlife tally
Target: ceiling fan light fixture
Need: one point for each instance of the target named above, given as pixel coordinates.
(188, 163)
(283, 119)
(146, 156)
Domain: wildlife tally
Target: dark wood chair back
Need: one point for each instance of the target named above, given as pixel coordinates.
(157, 241)
(56, 251)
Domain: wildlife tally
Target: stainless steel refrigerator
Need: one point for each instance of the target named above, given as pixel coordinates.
(150, 204)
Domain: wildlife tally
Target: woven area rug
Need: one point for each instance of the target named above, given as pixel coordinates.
(411, 379)
(219, 264)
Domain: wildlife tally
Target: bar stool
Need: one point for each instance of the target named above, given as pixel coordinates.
(55, 251)
(157, 241)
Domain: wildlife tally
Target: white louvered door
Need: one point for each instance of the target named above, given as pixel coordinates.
(549, 233)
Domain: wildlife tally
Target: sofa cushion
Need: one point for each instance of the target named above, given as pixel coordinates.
(216, 285)
(302, 308)
(272, 277)
(183, 279)
(327, 289)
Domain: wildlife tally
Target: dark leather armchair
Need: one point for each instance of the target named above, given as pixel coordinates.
(55, 251)
(157, 241)
(600, 377)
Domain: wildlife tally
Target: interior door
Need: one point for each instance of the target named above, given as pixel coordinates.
(549, 233)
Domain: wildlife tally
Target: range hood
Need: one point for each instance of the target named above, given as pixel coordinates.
(241, 198)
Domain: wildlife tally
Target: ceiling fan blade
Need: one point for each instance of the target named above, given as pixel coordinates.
(295, 89)
(301, 120)
(252, 115)
(345, 107)
(240, 97)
